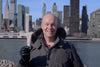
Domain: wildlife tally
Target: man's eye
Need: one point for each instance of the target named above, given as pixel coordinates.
(53, 24)
(47, 24)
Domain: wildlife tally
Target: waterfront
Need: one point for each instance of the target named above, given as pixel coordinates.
(88, 50)
(9, 49)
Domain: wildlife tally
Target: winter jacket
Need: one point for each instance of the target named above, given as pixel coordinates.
(62, 54)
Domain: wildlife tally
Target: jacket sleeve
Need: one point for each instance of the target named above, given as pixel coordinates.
(74, 58)
(25, 57)
(22, 64)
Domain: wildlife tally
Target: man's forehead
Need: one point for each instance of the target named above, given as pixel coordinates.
(48, 16)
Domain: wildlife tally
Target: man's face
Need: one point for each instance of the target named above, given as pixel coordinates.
(49, 26)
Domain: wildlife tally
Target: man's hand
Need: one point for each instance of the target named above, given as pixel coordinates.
(25, 54)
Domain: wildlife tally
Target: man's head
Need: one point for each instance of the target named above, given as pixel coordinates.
(49, 25)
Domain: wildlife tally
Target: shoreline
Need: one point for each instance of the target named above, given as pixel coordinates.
(67, 39)
(13, 38)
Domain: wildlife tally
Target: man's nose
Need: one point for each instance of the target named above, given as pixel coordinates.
(50, 26)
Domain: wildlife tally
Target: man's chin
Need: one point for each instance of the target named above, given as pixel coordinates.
(50, 36)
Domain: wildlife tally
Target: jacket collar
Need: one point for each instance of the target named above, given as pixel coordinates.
(40, 43)
(60, 33)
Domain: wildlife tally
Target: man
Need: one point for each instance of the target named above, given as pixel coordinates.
(48, 48)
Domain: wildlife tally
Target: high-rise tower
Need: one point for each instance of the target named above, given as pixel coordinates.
(54, 9)
(94, 24)
(74, 19)
(59, 14)
(13, 4)
(26, 22)
(66, 16)
(0, 13)
(84, 25)
(22, 10)
(44, 9)
(30, 23)
(66, 19)
(6, 14)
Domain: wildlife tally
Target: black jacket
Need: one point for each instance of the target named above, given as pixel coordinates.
(62, 54)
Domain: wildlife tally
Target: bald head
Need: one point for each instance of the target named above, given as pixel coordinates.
(49, 26)
(49, 17)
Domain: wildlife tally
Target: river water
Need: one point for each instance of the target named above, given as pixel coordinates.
(10, 48)
(89, 51)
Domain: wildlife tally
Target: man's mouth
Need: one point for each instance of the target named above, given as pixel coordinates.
(49, 31)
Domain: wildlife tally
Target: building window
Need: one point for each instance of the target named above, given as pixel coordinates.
(99, 26)
(98, 20)
(95, 35)
(93, 25)
(98, 13)
(98, 29)
(93, 15)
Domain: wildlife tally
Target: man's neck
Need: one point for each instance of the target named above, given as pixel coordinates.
(49, 41)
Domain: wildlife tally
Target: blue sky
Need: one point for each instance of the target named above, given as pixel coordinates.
(35, 6)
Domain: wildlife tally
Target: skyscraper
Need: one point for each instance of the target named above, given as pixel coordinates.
(59, 13)
(6, 14)
(13, 6)
(66, 19)
(74, 19)
(66, 16)
(30, 23)
(21, 17)
(27, 22)
(6, 22)
(25, 14)
(44, 9)
(84, 25)
(94, 25)
(0, 13)
(38, 23)
(54, 9)
(26, 9)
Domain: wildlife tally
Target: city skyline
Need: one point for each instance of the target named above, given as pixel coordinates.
(35, 7)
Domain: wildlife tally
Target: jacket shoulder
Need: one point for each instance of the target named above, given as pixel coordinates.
(67, 44)
(36, 44)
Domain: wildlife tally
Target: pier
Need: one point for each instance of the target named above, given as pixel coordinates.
(15, 35)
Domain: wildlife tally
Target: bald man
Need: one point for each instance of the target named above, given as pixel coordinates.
(48, 48)
(49, 27)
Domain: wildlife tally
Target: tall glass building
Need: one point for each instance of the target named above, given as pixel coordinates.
(13, 6)
(21, 17)
(74, 19)
(0, 13)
